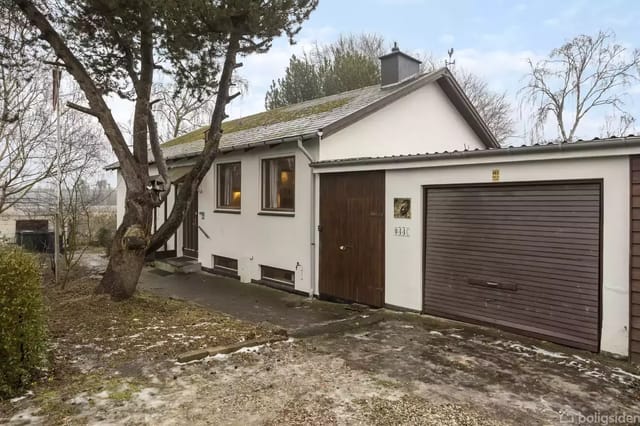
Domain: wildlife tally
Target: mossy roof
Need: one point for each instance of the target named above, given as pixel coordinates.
(263, 119)
(291, 121)
(325, 114)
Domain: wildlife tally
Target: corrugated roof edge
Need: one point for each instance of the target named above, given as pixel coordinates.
(596, 143)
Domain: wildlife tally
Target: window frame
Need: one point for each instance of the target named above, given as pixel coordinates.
(218, 193)
(262, 182)
(221, 268)
(266, 279)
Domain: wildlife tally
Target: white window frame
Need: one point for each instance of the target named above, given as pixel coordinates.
(216, 187)
(276, 212)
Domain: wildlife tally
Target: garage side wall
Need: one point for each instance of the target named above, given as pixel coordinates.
(404, 237)
(634, 341)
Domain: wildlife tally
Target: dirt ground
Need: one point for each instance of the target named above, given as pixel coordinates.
(115, 364)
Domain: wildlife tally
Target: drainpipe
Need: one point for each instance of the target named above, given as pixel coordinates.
(312, 228)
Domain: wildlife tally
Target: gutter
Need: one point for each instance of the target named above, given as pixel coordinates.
(623, 142)
(312, 222)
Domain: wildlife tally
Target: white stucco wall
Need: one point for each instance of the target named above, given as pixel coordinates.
(420, 122)
(404, 270)
(253, 239)
(8, 220)
(121, 190)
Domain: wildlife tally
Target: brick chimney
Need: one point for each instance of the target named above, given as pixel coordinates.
(397, 66)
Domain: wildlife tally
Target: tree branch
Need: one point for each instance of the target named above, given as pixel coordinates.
(192, 180)
(84, 80)
(82, 109)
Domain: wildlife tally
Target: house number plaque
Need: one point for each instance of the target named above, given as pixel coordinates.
(401, 231)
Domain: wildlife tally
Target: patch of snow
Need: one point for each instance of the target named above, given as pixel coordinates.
(548, 353)
(27, 416)
(135, 319)
(290, 340)
(406, 326)
(619, 370)
(117, 351)
(595, 373)
(588, 361)
(435, 333)
(457, 336)
(156, 345)
(219, 357)
(359, 336)
(518, 347)
(134, 336)
(248, 349)
(103, 395)
(20, 398)
(79, 400)
(203, 324)
(149, 397)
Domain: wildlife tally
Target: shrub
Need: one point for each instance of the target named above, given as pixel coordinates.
(104, 236)
(22, 323)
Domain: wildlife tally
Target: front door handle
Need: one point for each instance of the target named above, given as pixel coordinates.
(344, 248)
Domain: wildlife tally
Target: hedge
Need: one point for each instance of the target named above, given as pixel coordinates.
(22, 321)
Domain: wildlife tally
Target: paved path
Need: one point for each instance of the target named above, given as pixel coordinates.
(249, 302)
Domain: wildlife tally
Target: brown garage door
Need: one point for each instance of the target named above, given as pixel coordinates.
(524, 257)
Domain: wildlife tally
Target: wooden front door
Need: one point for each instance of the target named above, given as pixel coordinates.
(190, 230)
(352, 237)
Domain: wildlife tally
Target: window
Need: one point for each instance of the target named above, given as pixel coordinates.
(278, 183)
(229, 195)
(277, 275)
(225, 265)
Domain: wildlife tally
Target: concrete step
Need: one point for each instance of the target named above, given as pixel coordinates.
(178, 265)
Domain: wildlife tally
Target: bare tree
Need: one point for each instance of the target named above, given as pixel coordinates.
(26, 126)
(179, 112)
(492, 106)
(617, 125)
(585, 73)
(81, 152)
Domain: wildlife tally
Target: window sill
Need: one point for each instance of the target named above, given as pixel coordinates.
(228, 211)
(216, 271)
(284, 287)
(276, 213)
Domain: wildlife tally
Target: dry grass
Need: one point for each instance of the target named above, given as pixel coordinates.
(97, 344)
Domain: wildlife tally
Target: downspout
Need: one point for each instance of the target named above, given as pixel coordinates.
(312, 229)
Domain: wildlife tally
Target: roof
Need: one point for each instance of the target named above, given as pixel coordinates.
(596, 143)
(328, 114)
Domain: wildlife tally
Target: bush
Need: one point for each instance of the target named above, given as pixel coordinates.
(22, 323)
(104, 236)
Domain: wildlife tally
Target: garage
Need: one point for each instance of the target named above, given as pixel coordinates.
(525, 257)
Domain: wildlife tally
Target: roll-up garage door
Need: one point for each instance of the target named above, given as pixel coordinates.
(521, 256)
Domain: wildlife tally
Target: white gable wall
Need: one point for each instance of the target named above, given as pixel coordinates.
(420, 122)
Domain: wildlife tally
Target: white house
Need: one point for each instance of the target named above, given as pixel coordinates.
(398, 195)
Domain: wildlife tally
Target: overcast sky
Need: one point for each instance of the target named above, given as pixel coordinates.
(490, 38)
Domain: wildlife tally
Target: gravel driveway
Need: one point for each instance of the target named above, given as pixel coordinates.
(404, 370)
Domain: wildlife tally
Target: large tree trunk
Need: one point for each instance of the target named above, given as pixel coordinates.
(128, 250)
